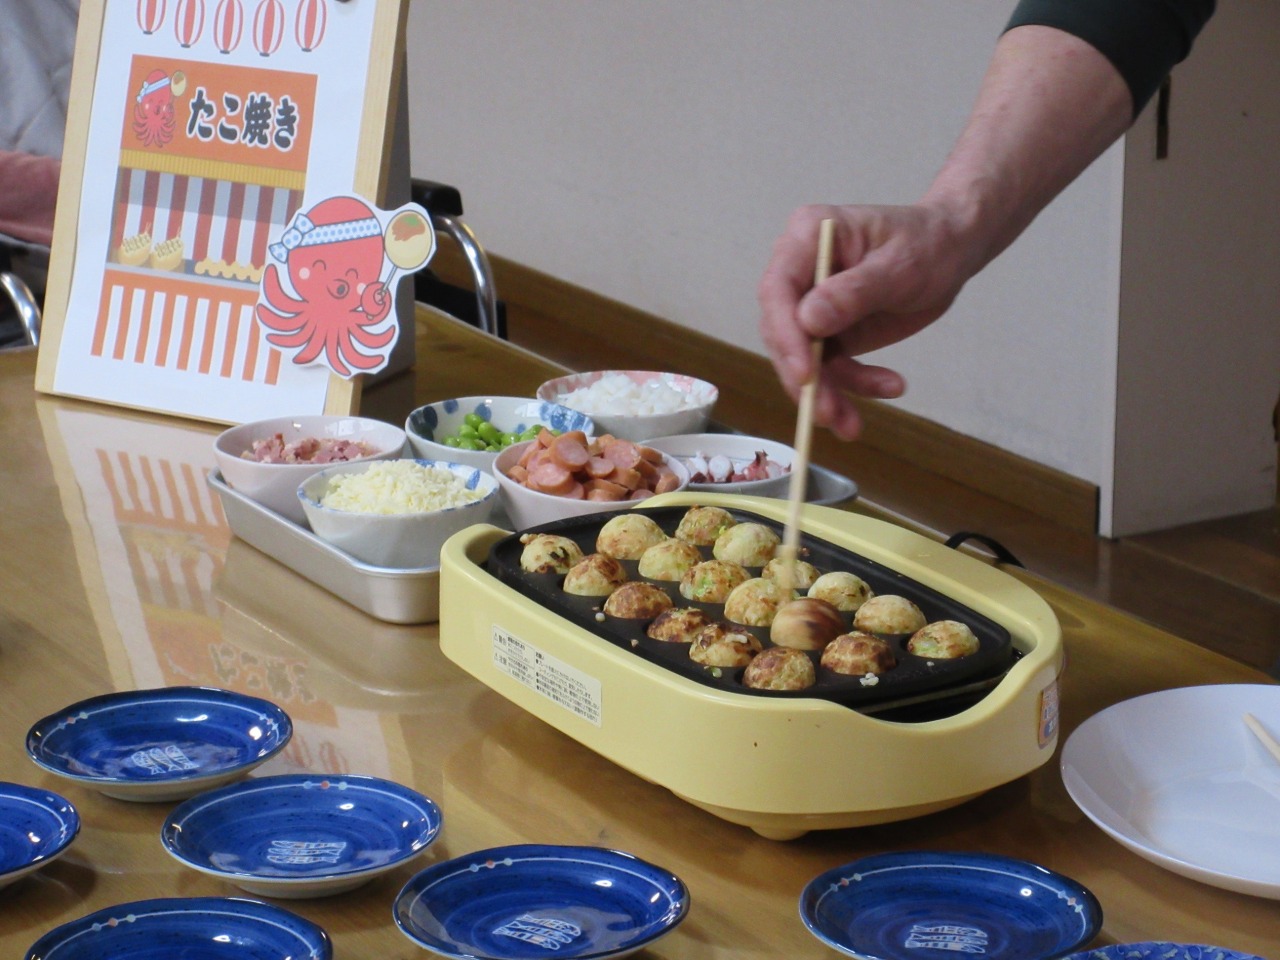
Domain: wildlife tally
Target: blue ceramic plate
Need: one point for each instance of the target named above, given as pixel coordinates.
(511, 903)
(301, 835)
(36, 827)
(903, 906)
(1161, 951)
(197, 928)
(160, 744)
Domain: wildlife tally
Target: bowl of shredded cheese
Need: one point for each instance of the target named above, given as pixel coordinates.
(636, 404)
(396, 513)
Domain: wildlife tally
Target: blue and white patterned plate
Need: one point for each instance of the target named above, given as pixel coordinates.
(301, 835)
(36, 827)
(161, 744)
(532, 900)
(1153, 950)
(201, 928)
(904, 906)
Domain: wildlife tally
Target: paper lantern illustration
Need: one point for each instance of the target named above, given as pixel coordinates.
(150, 15)
(309, 24)
(188, 21)
(268, 27)
(228, 25)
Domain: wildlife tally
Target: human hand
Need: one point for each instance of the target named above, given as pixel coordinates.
(894, 271)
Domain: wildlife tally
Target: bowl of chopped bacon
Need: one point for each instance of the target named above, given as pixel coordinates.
(267, 460)
(571, 475)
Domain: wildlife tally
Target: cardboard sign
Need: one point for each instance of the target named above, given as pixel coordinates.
(198, 131)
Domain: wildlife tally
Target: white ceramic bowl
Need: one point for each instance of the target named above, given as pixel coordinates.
(401, 540)
(628, 412)
(275, 485)
(740, 449)
(427, 426)
(528, 508)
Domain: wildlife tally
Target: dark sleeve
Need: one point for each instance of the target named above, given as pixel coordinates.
(1142, 38)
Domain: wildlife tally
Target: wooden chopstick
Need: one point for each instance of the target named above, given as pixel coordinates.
(1259, 731)
(790, 548)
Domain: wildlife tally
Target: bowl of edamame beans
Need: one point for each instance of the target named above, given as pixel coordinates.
(474, 430)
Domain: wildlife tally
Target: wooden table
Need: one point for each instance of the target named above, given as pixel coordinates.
(118, 572)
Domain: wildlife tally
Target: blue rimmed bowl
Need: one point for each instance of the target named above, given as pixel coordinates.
(534, 900)
(902, 906)
(36, 827)
(160, 744)
(301, 835)
(429, 425)
(1161, 950)
(211, 928)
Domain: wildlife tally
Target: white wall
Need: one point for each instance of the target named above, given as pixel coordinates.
(651, 150)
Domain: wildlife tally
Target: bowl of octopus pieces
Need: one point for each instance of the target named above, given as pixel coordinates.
(571, 475)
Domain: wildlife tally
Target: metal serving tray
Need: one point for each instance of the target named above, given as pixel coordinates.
(390, 594)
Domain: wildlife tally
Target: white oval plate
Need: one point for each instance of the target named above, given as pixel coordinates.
(1178, 778)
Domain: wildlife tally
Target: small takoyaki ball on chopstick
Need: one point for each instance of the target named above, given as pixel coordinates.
(595, 575)
(943, 640)
(669, 559)
(724, 645)
(803, 573)
(637, 601)
(888, 614)
(679, 625)
(858, 654)
(548, 553)
(701, 525)
(780, 668)
(711, 581)
(806, 624)
(750, 544)
(756, 602)
(843, 590)
(628, 535)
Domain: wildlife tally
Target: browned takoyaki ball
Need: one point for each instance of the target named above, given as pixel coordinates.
(780, 668)
(803, 573)
(843, 590)
(858, 654)
(669, 559)
(756, 602)
(806, 624)
(637, 601)
(749, 544)
(628, 535)
(888, 614)
(943, 640)
(701, 525)
(595, 575)
(548, 553)
(679, 625)
(724, 645)
(711, 581)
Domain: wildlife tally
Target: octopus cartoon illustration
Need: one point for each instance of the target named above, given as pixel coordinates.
(333, 255)
(153, 114)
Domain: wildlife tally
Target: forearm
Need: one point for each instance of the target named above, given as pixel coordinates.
(1049, 105)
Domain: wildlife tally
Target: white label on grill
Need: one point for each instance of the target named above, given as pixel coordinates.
(554, 679)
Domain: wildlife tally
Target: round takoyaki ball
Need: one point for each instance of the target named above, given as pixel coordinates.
(943, 640)
(724, 645)
(701, 525)
(669, 559)
(637, 601)
(548, 553)
(806, 624)
(858, 654)
(843, 590)
(711, 581)
(803, 573)
(595, 575)
(888, 614)
(756, 602)
(679, 625)
(749, 544)
(628, 535)
(780, 668)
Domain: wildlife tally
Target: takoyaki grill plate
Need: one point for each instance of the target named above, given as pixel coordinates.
(914, 679)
